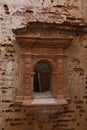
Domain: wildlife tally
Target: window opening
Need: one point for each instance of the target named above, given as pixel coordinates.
(42, 77)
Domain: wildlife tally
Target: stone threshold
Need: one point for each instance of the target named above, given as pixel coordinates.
(44, 102)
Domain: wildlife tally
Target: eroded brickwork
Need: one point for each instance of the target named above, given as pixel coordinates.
(16, 14)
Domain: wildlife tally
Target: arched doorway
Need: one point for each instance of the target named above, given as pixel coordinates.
(42, 77)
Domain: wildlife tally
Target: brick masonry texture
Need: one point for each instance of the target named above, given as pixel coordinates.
(16, 14)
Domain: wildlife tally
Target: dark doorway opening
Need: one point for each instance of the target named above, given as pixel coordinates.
(42, 77)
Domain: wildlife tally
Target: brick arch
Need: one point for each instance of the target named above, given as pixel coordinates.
(50, 62)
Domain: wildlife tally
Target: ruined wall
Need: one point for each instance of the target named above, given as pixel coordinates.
(16, 14)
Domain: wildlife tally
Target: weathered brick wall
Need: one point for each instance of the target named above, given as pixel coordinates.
(13, 14)
(77, 63)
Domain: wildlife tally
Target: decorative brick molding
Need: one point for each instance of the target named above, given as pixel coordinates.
(43, 49)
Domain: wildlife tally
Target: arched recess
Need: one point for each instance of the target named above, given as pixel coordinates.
(49, 61)
(43, 80)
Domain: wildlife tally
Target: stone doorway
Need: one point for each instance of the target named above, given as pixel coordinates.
(36, 53)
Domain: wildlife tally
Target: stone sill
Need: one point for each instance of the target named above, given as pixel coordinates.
(42, 103)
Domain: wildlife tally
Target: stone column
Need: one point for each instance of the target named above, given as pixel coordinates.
(27, 84)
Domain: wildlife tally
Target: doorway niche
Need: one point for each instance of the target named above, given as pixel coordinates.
(42, 79)
(43, 69)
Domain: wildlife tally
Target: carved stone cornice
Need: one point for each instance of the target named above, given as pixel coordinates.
(34, 28)
(43, 42)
